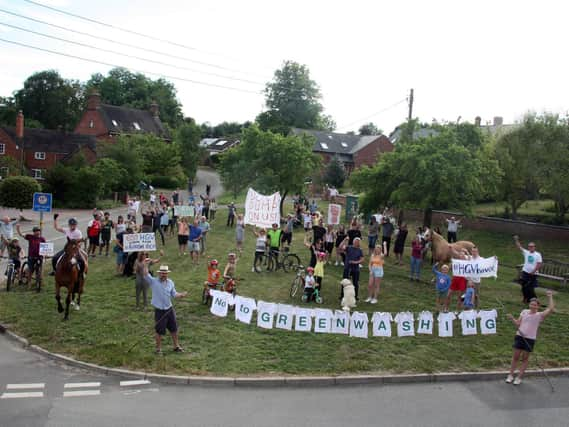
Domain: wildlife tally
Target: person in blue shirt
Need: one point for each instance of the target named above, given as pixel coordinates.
(194, 241)
(443, 284)
(163, 290)
(468, 298)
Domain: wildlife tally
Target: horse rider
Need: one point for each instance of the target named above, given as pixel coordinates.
(72, 233)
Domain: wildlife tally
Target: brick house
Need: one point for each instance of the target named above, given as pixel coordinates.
(42, 148)
(353, 151)
(105, 122)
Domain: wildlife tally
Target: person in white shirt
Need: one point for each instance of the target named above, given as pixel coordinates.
(72, 233)
(532, 263)
(6, 233)
(452, 229)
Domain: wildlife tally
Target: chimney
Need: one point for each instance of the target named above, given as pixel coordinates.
(154, 109)
(477, 121)
(93, 100)
(20, 125)
(498, 121)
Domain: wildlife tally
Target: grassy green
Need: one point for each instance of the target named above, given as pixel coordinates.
(538, 208)
(109, 331)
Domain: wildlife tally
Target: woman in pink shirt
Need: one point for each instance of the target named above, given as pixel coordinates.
(527, 324)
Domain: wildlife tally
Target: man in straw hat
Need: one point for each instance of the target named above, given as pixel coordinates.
(163, 290)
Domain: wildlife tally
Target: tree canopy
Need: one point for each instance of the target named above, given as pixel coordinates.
(293, 99)
(269, 162)
(369, 129)
(51, 100)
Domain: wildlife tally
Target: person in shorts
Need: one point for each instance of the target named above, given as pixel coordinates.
(163, 290)
(532, 263)
(442, 281)
(194, 239)
(524, 341)
(287, 232)
(107, 226)
(93, 231)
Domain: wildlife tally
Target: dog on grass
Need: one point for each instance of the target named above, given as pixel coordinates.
(349, 299)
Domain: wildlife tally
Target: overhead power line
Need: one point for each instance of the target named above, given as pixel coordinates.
(374, 114)
(108, 64)
(143, 49)
(125, 30)
(129, 56)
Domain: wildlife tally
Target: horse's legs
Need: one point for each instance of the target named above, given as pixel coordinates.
(67, 302)
(58, 299)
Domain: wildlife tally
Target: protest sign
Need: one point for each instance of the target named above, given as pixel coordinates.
(184, 210)
(262, 211)
(334, 212)
(139, 242)
(46, 249)
(475, 268)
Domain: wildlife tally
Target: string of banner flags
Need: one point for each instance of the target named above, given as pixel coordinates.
(357, 324)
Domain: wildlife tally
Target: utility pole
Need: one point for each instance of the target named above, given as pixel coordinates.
(410, 117)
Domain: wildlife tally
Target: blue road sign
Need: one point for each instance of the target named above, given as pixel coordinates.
(42, 202)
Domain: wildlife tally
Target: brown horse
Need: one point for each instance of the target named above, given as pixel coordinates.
(67, 274)
(444, 251)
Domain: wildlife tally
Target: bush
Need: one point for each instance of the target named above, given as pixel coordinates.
(168, 182)
(18, 191)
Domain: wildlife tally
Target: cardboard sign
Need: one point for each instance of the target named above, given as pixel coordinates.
(262, 211)
(139, 242)
(46, 249)
(475, 268)
(334, 212)
(184, 211)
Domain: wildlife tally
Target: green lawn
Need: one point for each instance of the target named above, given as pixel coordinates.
(537, 208)
(107, 326)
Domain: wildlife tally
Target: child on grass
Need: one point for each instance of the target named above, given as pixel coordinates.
(309, 284)
(469, 295)
(319, 269)
(443, 284)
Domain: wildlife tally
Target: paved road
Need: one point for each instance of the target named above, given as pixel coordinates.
(44, 399)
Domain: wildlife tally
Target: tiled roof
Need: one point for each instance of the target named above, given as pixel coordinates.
(53, 141)
(337, 143)
(130, 120)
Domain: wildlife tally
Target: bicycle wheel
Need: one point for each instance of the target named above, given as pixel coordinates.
(9, 276)
(260, 261)
(296, 286)
(290, 262)
(25, 274)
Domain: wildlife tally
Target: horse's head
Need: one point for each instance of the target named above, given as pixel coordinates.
(72, 247)
(428, 234)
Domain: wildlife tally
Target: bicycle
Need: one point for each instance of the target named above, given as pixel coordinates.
(206, 296)
(10, 274)
(298, 282)
(28, 275)
(289, 261)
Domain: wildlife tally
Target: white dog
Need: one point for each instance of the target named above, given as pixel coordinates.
(349, 300)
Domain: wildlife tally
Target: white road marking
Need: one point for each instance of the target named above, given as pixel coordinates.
(24, 386)
(134, 382)
(79, 393)
(81, 385)
(22, 395)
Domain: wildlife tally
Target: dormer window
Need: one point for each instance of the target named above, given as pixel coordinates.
(343, 144)
(136, 125)
(91, 124)
(115, 124)
(324, 145)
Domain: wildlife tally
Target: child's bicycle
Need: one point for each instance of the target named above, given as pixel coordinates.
(313, 295)
(230, 286)
(206, 296)
(11, 274)
(298, 282)
(32, 273)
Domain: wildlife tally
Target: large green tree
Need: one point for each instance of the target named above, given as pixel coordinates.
(51, 100)
(269, 162)
(124, 88)
(293, 99)
(437, 172)
(187, 138)
(369, 129)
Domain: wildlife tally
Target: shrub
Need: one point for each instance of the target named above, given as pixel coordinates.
(18, 191)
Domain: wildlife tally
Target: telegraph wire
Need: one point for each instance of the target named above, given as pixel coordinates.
(128, 56)
(108, 64)
(136, 33)
(374, 114)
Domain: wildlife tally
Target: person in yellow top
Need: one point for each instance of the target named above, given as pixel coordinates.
(319, 269)
(376, 262)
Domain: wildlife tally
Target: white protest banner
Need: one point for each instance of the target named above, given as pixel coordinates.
(46, 249)
(184, 210)
(262, 211)
(479, 267)
(334, 212)
(139, 242)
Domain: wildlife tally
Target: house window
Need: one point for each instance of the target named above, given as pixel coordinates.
(136, 125)
(343, 144)
(115, 124)
(37, 173)
(324, 145)
(91, 124)
(39, 155)
(4, 171)
(2, 148)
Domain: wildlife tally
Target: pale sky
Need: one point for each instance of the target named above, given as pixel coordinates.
(463, 58)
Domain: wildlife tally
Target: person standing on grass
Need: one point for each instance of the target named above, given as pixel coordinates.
(416, 258)
(274, 235)
(157, 223)
(475, 278)
(194, 241)
(239, 233)
(376, 262)
(452, 229)
(329, 239)
(399, 245)
(231, 214)
(107, 226)
(443, 284)
(93, 231)
(387, 230)
(204, 227)
(287, 232)
(354, 257)
(260, 247)
(6, 233)
(212, 209)
(524, 341)
(372, 234)
(532, 263)
(340, 250)
(140, 283)
(163, 290)
(120, 226)
(183, 235)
